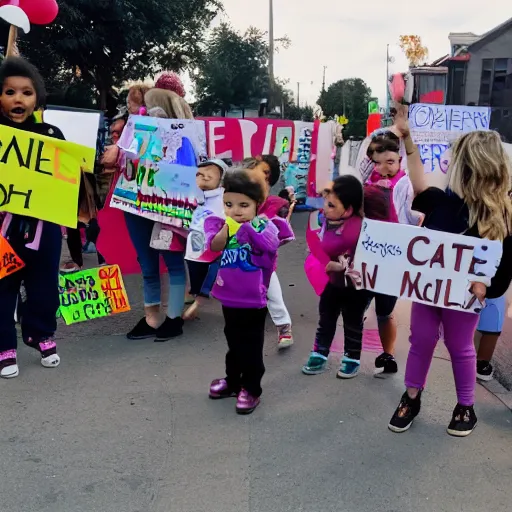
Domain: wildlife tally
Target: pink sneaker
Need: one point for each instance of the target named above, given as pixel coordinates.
(219, 389)
(246, 403)
(8, 365)
(48, 350)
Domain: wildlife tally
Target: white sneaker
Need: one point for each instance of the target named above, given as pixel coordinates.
(51, 361)
(285, 339)
(9, 372)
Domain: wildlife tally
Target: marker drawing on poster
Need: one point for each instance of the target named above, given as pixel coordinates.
(426, 266)
(91, 294)
(435, 127)
(159, 178)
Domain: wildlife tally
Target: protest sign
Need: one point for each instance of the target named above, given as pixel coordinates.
(91, 294)
(10, 262)
(159, 178)
(435, 127)
(422, 265)
(40, 176)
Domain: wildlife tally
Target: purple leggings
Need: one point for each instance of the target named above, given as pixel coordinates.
(459, 329)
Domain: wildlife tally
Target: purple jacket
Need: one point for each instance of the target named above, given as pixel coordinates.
(247, 262)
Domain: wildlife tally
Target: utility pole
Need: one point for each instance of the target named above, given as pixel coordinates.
(298, 94)
(271, 50)
(387, 80)
(323, 80)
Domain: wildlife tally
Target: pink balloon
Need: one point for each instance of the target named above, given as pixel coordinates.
(315, 272)
(397, 87)
(40, 12)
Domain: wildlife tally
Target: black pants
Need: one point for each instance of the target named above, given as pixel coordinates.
(245, 334)
(75, 245)
(202, 277)
(41, 278)
(352, 305)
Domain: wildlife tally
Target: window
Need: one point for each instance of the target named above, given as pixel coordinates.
(496, 83)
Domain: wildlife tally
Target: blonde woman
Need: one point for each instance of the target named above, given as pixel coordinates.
(475, 204)
(166, 104)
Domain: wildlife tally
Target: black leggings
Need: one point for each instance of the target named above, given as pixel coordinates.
(352, 304)
(245, 334)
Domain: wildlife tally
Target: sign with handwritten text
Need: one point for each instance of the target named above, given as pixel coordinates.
(435, 127)
(422, 265)
(40, 175)
(448, 118)
(10, 262)
(91, 294)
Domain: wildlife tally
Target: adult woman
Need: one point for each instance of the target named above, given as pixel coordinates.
(159, 103)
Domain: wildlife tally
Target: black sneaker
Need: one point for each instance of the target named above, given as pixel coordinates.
(463, 421)
(407, 410)
(171, 328)
(385, 364)
(141, 331)
(484, 371)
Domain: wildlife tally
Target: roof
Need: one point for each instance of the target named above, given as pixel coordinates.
(491, 34)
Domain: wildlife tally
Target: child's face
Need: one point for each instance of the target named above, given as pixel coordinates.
(208, 177)
(239, 207)
(333, 207)
(263, 168)
(116, 129)
(18, 98)
(387, 164)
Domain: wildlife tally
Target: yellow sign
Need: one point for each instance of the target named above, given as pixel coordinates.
(40, 176)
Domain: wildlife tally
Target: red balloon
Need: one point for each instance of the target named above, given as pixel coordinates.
(40, 12)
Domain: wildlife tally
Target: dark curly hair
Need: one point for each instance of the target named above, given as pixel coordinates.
(16, 66)
(275, 168)
(239, 182)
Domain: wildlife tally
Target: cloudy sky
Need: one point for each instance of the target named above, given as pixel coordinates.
(350, 38)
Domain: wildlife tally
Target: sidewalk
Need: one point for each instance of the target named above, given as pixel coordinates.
(126, 426)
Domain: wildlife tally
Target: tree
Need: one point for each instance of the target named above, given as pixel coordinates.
(106, 43)
(349, 97)
(232, 71)
(414, 50)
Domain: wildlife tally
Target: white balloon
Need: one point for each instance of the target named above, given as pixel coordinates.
(15, 16)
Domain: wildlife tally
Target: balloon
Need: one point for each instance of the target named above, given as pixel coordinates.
(40, 12)
(15, 16)
(315, 272)
(397, 87)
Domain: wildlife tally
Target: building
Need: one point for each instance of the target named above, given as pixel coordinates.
(478, 71)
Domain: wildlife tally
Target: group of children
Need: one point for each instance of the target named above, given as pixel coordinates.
(235, 237)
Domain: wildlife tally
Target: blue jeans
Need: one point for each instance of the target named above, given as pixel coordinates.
(140, 230)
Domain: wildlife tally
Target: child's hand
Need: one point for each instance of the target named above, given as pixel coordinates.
(479, 290)
(334, 266)
(401, 121)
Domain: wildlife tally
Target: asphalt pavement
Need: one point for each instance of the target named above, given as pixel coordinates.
(124, 426)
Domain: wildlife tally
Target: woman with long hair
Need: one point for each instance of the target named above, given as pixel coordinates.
(165, 104)
(476, 203)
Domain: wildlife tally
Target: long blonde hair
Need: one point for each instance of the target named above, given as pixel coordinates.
(480, 175)
(171, 103)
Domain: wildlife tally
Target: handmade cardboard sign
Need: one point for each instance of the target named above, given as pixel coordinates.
(422, 265)
(159, 178)
(40, 175)
(10, 262)
(91, 294)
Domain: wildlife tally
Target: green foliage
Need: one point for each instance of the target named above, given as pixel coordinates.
(349, 97)
(232, 71)
(106, 43)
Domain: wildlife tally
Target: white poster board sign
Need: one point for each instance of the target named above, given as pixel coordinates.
(423, 265)
(79, 127)
(435, 127)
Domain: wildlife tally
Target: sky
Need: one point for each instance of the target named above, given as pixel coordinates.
(351, 38)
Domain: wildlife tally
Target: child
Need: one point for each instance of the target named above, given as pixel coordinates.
(274, 206)
(201, 268)
(249, 244)
(476, 204)
(489, 327)
(37, 243)
(343, 211)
